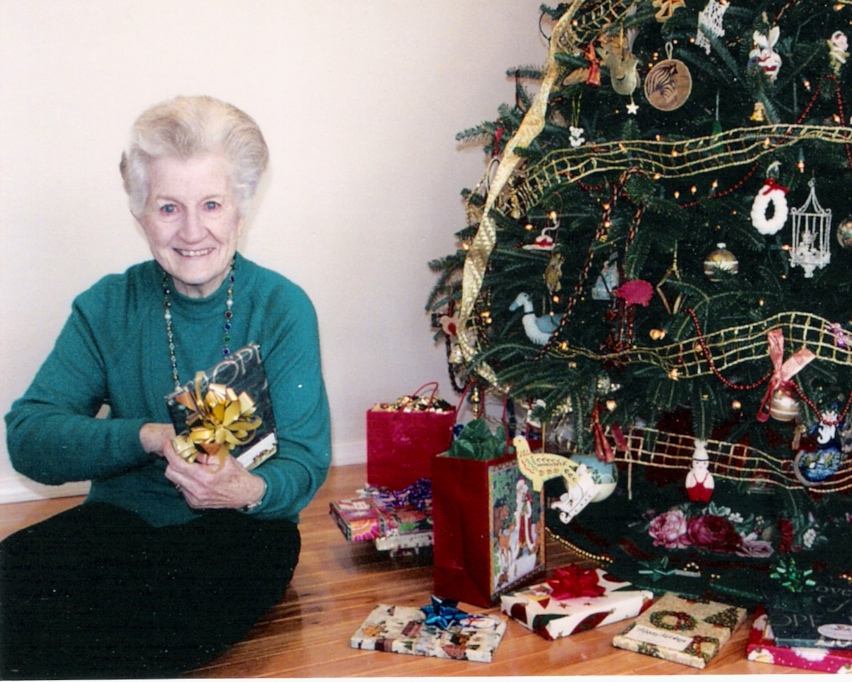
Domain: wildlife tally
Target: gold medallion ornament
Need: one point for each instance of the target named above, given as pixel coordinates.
(668, 83)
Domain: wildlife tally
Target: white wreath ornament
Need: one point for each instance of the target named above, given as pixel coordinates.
(773, 193)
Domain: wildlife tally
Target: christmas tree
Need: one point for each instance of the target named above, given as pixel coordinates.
(658, 255)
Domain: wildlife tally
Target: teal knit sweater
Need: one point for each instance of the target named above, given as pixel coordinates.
(113, 351)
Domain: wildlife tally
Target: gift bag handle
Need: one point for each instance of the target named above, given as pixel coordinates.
(434, 385)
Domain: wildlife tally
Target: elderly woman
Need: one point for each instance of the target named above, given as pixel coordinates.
(168, 561)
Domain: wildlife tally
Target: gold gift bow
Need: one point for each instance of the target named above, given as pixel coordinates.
(227, 420)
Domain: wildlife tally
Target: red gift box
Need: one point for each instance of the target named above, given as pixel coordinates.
(402, 442)
(761, 647)
(488, 527)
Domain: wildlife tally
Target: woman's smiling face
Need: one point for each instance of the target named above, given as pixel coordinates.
(192, 220)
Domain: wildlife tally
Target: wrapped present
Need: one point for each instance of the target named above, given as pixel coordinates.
(763, 648)
(574, 600)
(815, 614)
(681, 630)
(439, 630)
(226, 410)
(404, 435)
(388, 516)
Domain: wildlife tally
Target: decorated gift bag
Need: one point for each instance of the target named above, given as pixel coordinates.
(488, 523)
(403, 436)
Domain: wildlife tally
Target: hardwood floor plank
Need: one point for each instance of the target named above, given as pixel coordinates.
(337, 584)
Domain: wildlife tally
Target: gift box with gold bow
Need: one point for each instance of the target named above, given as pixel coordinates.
(226, 410)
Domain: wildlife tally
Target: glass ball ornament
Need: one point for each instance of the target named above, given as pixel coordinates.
(844, 233)
(720, 260)
(604, 475)
(784, 406)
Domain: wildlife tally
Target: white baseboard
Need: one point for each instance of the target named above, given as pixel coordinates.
(20, 489)
(349, 453)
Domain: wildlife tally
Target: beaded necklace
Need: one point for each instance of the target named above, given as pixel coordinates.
(226, 327)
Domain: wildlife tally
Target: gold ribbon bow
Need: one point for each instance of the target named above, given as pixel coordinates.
(784, 370)
(219, 421)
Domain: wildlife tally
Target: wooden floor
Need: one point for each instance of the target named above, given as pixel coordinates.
(338, 583)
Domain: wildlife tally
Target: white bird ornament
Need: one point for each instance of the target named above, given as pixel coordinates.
(538, 329)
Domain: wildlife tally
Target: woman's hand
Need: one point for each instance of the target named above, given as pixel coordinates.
(154, 436)
(205, 484)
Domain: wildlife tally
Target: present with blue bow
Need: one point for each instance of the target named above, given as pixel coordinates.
(443, 613)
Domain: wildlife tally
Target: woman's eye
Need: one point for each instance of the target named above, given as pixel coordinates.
(168, 209)
(211, 205)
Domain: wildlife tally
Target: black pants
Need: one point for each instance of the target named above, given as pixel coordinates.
(96, 592)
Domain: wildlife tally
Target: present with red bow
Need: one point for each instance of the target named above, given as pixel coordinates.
(574, 600)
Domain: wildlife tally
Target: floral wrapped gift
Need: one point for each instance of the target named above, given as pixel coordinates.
(763, 648)
(439, 630)
(681, 630)
(574, 600)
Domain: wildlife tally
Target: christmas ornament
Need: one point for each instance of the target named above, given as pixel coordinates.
(665, 8)
(759, 113)
(844, 233)
(604, 475)
(632, 108)
(720, 259)
(763, 54)
(636, 292)
(668, 83)
(779, 402)
(617, 57)
(817, 466)
(810, 234)
(553, 273)
(576, 139)
(672, 272)
(770, 194)
(838, 51)
(538, 329)
(699, 480)
(784, 406)
(545, 241)
(607, 282)
(710, 23)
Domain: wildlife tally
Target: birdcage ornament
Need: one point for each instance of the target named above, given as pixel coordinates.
(811, 227)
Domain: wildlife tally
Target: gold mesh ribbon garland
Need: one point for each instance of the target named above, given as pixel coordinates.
(219, 421)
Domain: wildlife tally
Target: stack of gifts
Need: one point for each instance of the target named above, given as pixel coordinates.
(440, 630)
(574, 600)
(393, 520)
(763, 648)
(807, 624)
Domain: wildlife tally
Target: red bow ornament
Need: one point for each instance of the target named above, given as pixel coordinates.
(784, 370)
(573, 582)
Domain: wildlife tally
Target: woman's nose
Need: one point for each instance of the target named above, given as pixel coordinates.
(193, 229)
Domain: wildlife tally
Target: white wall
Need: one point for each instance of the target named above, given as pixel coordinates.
(359, 100)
